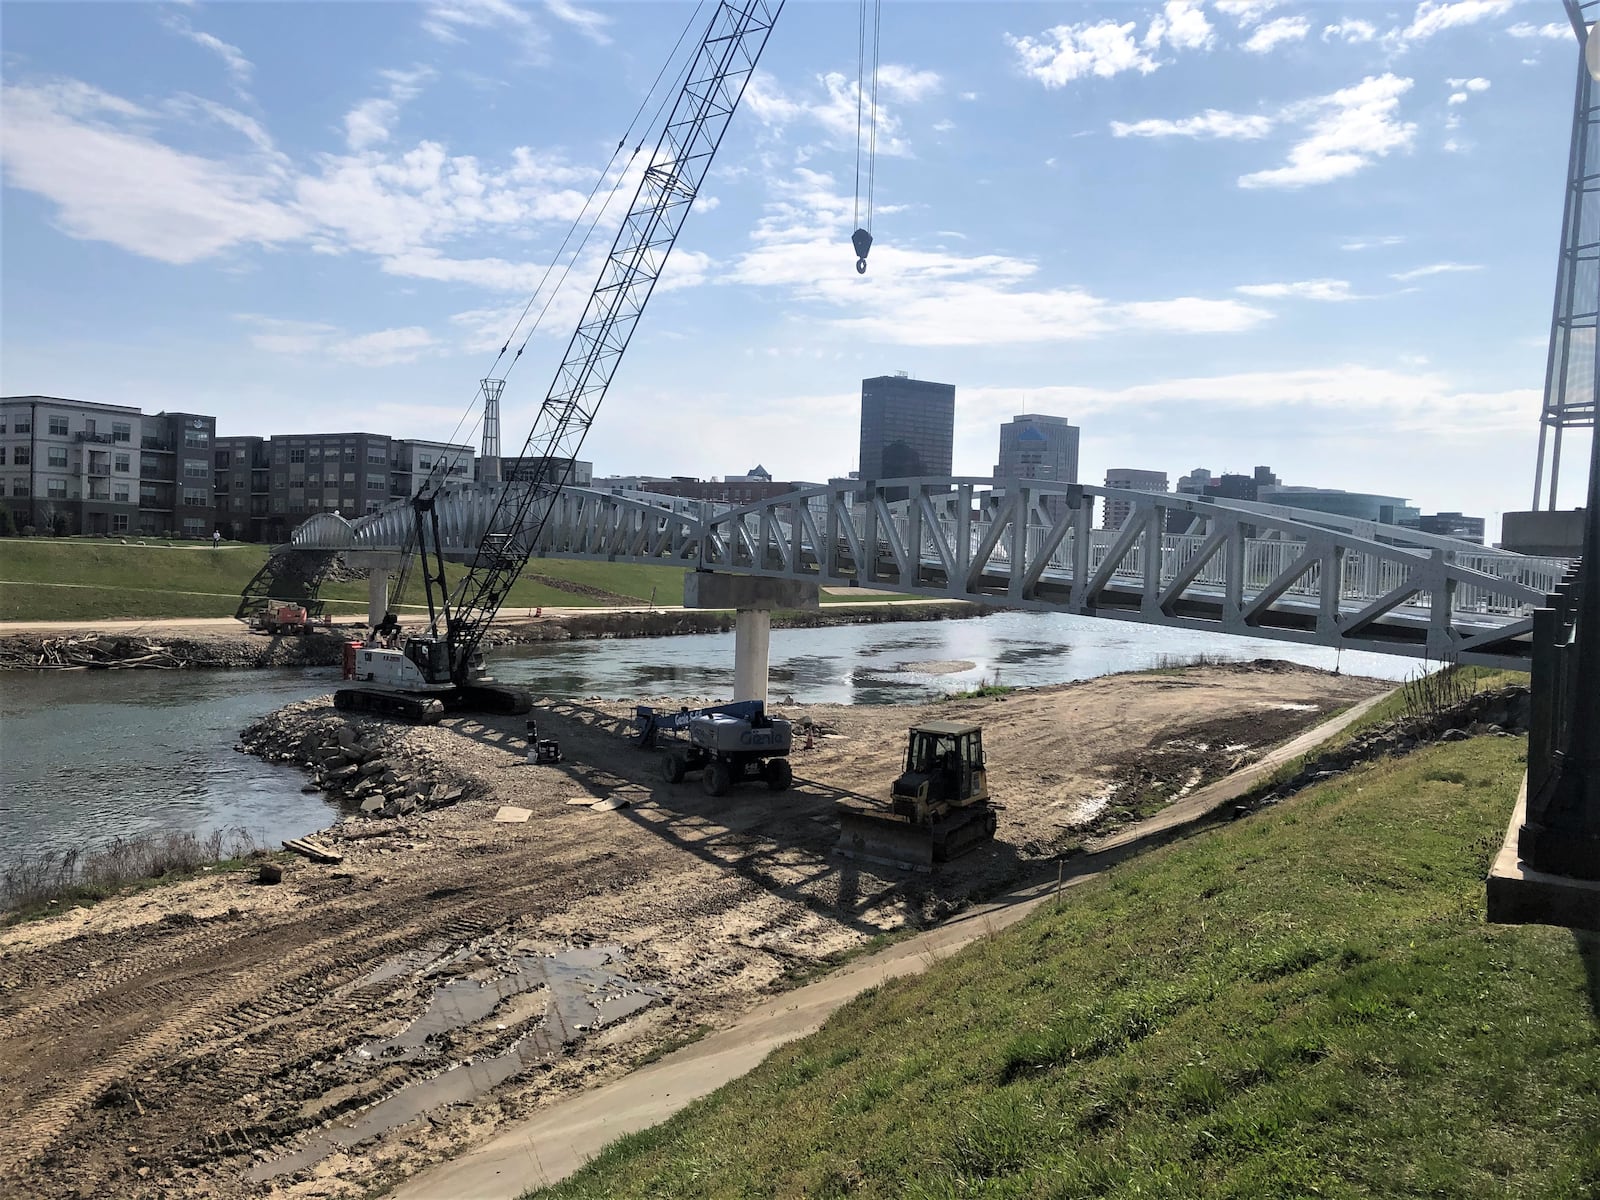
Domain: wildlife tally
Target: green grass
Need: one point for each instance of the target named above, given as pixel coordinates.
(1305, 1003)
(49, 580)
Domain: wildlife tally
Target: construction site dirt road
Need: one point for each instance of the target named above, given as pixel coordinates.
(330, 1035)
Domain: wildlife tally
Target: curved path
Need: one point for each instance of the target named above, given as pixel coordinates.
(558, 1141)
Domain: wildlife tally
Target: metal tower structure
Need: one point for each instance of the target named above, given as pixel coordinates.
(490, 456)
(1572, 371)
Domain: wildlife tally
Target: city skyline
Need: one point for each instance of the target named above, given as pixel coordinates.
(1359, 289)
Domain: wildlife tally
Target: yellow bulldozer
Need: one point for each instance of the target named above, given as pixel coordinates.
(938, 808)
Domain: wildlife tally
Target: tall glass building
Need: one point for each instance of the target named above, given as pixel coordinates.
(907, 428)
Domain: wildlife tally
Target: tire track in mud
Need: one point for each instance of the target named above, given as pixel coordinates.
(270, 988)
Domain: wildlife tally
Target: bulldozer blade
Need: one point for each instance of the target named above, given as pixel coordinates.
(884, 840)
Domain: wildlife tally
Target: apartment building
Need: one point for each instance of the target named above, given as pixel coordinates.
(77, 467)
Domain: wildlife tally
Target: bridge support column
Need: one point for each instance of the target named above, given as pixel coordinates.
(379, 566)
(752, 641)
(753, 599)
(377, 595)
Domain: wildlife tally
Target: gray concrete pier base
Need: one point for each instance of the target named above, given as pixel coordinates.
(753, 599)
(379, 567)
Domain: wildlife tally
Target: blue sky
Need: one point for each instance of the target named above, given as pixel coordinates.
(1320, 236)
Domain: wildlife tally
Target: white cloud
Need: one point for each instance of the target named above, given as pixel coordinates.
(1387, 399)
(130, 190)
(943, 126)
(937, 297)
(1305, 289)
(445, 20)
(302, 339)
(1352, 31)
(1357, 124)
(835, 110)
(1275, 33)
(1068, 52)
(369, 123)
(1389, 239)
(98, 160)
(1442, 268)
(586, 21)
(907, 83)
(1555, 30)
(1246, 12)
(1213, 123)
(1471, 85)
(239, 67)
(1182, 25)
(1435, 16)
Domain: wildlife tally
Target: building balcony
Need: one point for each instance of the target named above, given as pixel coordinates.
(151, 443)
(104, 439)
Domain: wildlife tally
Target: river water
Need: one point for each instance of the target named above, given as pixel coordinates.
(86, 756)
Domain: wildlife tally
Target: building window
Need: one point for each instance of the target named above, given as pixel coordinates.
(377, 456)
(58, 456)
(196, 470)
(121, 431)
(375, 484)
(120, 493)
(2, 456)
(278, 504)
(349, 476)
(297, 483)
(194, 526)
(314, 479)
(147, 495)
(279, 481)
(314, 452)
(424, 462)
(297, 454)
(195, 498)
(280, 455)
(58, 427)
(350, 454)
(347, 502)
(119, 523)
(123, 462)
(297, 506)
(196, 439)
(23, 425)
(56, 489)
(238, 504)
(21, 457)
(19, 487)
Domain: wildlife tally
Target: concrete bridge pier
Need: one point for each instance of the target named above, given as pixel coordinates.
(379, 567)
(753, 599)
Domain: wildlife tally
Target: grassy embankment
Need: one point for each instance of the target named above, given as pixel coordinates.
(1304, 1003)
(43, 579)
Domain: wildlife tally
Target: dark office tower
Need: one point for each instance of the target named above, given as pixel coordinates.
(907, 427)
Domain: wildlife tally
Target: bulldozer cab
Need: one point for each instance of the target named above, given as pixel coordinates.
(950, 756)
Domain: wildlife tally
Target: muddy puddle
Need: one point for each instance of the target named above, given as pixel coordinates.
(584, 991)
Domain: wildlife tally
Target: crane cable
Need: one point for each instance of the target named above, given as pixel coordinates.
(438, 474)
(861, 239)
(616, 185)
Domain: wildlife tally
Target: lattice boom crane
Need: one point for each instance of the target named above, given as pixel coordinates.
(444, 667)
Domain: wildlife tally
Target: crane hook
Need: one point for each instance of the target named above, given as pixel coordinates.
(862, 241)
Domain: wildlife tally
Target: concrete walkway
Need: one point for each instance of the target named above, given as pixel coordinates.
(548, 1147)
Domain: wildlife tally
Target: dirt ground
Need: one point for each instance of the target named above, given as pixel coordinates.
(186, 1039)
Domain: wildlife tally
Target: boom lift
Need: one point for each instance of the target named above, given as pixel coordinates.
(444, 667)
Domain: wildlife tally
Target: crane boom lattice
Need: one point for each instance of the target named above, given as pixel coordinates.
(729, 50)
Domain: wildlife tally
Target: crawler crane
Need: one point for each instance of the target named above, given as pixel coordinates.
(443, 668)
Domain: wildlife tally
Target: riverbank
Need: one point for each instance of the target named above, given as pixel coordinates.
(224, 644)
(688, 909)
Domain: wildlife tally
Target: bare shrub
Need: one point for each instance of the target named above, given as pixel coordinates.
(33, 880)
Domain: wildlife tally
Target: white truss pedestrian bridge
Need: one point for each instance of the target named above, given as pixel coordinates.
(1235, 567)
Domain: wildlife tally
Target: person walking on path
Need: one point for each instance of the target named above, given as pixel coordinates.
(216, 538)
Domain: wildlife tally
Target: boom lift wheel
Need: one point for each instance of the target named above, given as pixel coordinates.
(779, 774)
(717, 778)
(672, 767)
